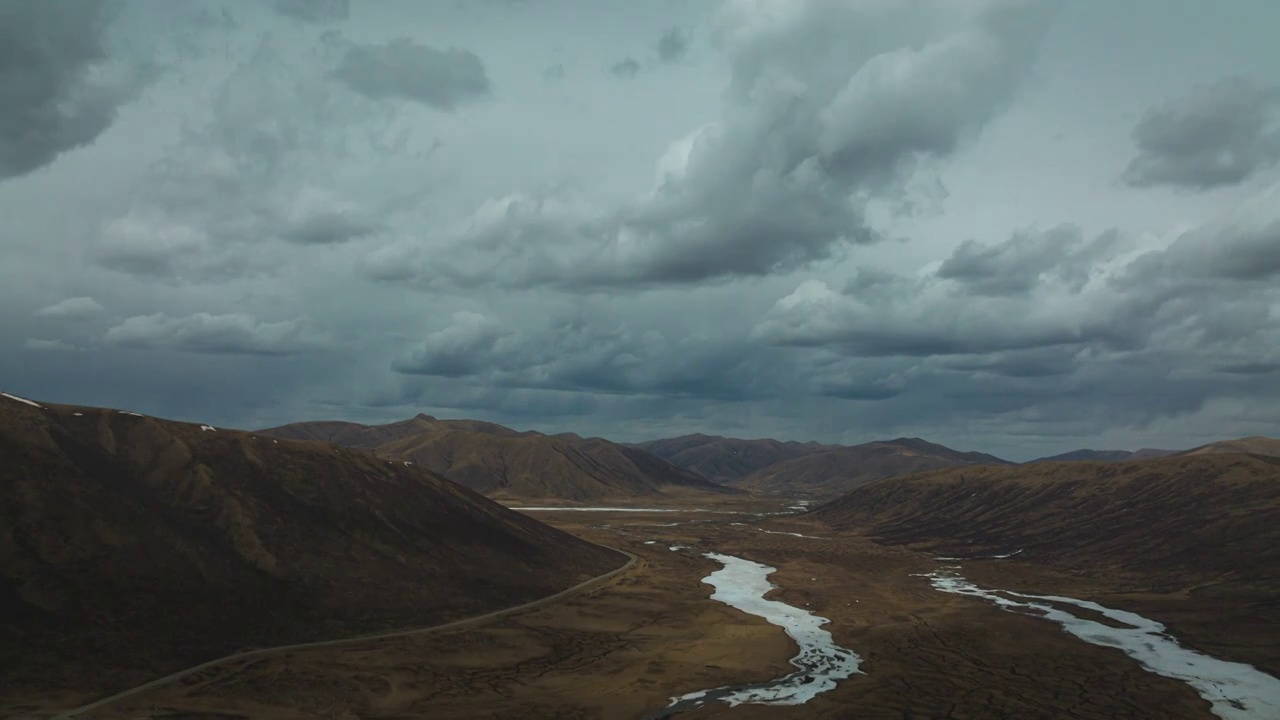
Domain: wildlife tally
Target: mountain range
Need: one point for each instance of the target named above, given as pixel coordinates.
(512, 465)
(776, 467)
(131, 546)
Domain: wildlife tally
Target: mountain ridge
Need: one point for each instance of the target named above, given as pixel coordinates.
(513, 465)
(132, 546)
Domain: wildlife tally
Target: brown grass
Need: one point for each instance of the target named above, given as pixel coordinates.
(132, 546)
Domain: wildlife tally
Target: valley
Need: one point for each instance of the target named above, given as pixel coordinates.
(293, 578)
(653, 633)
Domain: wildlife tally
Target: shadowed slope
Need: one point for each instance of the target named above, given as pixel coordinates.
(132, 546)
(1086, 455)
(1256, 445)
(838, 470)
(1184, 518)
(511, 465)
(727, 460)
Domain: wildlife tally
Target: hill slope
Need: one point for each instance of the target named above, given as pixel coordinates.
(838, 470)
(511, 465)
(727, 460)
(1256, 445)
(1183, 518)
(1086, 455)
(132, 546)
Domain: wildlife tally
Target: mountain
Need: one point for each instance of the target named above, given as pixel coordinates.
(512, 465)
(1256, 445)
(835, 470)
(1180, 519)
(726, 460)
(132, 546)
(1105, 455)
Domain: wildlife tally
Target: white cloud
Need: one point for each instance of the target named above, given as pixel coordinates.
(73, 308)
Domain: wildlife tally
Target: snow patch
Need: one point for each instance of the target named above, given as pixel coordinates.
(1235, 690)
(820, 663)
(208, 428)
(78, 414)
(24, 401)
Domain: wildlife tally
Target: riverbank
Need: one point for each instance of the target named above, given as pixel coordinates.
(623, 651)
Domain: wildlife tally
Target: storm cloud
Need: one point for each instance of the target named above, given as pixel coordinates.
(1219, 134)
(814, 124)
(409, 70)
(1015, 226)
(236, 334)
(673, 45)
(314, 11)
(58, 87)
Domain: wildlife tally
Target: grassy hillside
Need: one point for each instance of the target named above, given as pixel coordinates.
(131, 546)
(510, 465)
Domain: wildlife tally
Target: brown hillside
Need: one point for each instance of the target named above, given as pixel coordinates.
(1104, 455)
(727, 460)
(511, 465)
(832, 472)
(132, 546)
(1179, 519)
(1256, 445)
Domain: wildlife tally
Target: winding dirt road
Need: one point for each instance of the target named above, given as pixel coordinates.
(582, 587)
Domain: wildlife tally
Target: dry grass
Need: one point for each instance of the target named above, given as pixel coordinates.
(131, 547)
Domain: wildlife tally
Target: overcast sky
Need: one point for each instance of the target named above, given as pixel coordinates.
(1018, 227)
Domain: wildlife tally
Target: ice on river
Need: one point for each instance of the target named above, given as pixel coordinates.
(1235, 690)
(820, 663)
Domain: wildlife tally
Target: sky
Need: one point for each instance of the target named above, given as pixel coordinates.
(1013, 226)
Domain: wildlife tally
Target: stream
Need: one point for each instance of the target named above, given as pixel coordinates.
(820, 664)
(1235, 690)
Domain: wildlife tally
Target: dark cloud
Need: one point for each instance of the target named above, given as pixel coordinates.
(554, 72)
(594, 357)
(233, 334)
(314, 11)
(408, 70)
(58, 87)
(1218, 135)
(626, 69)
(673, 45)
(1019, 265)
(466, 347)
(1050, 326)
(45, 345)
(274, 168)
(815, 125)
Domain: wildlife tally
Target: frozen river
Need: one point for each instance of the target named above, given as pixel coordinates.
(1235, 690)
(820, 663)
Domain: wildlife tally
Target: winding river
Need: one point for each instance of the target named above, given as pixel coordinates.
(1235, 690)
(820, 664)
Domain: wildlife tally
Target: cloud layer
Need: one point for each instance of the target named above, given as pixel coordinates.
(1220, 134)
(59, 88)
(992, 223)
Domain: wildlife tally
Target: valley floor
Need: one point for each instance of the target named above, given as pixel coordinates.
(623, 649)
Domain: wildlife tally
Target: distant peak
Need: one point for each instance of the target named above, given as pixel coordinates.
(423, 416)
